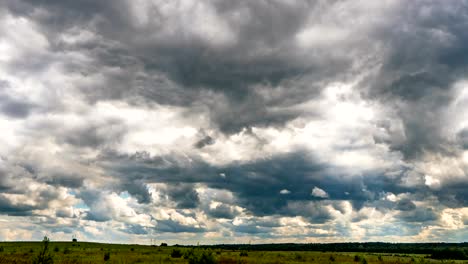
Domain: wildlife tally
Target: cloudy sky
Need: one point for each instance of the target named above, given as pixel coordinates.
(234, 121)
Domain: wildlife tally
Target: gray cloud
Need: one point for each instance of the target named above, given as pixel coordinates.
(180, 68)
(419, 215)
(420, 67)
(207, 111)
(175, 227)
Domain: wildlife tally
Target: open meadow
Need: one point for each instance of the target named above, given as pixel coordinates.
(84, 252)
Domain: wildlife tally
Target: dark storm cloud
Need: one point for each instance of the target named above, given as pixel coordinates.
(462, 138)
(93, 216)
(139, 60)
(418, 215)
(134, 229)
(55, 177)
(99, 211)
(15, 108)
(222, 211)
(11, 106)
(94, 135)
(257, 184)
(206, 141)
(426, 56)
(405, 205)
(10, 205)
(175, 227)
(453, 194)
(251, 229)
(9, 208)
(66, 180)
(245, 68)
(138, 190)
(184, 195)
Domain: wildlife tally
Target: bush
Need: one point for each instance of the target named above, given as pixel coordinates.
(176, 253)
(106, 256)
(364, 261)
(56, 249)
(332, 258)
(188, 254)
(244, 254)
(205, 257)
(44, 256)
(2, 249)
(66, 251)
(357, 258)
(380, 258)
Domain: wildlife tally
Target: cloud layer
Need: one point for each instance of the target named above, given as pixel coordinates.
(222, 121)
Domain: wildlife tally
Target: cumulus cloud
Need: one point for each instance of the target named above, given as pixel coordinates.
(319, 193)
(277, 121)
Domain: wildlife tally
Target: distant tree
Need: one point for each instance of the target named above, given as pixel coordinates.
(163, 244)
(449, 253)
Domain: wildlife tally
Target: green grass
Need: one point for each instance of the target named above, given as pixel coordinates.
(84, 252)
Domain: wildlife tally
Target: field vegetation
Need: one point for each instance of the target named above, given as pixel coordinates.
(86, 252)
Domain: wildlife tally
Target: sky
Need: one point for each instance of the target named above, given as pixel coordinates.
(220, 121)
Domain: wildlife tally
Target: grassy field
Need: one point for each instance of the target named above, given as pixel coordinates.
(83, 252)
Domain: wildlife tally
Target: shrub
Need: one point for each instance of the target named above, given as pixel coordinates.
(205, 257)
(357, 258)
(380, 258)
(44, 256)
(66, 251)
(188, 254)
(244, 254)
(56, 249)
(176, 253)
(332, 258)
(364, 261)
(2, 249)
(106, 256)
